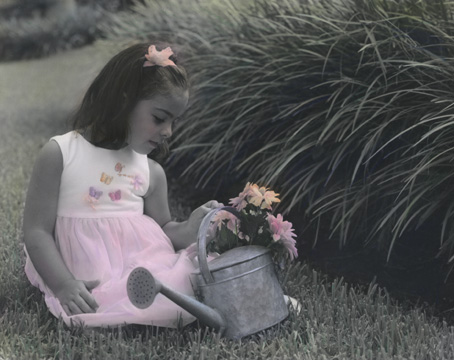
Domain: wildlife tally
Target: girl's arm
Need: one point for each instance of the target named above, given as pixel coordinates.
(182, 234)
(39, 222)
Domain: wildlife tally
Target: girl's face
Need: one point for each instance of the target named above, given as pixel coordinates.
(151, 120)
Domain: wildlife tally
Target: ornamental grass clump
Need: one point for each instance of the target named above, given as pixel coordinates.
(343, 106)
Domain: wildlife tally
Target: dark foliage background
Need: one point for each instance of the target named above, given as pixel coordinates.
(343, 107)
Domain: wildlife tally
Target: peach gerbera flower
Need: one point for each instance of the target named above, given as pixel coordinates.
(256, 196)
(268, 198)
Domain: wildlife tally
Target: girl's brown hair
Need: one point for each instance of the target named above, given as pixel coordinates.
(121, 84)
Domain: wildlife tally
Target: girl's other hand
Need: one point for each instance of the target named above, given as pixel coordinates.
(75, 297)
(198, 214)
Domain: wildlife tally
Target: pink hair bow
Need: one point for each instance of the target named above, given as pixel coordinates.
(161, 58)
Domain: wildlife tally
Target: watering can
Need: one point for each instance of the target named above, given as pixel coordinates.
(238, 293)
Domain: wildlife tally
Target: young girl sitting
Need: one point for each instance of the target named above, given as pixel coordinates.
(97, 206)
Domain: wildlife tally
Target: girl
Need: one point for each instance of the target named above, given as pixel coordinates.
(96, 206)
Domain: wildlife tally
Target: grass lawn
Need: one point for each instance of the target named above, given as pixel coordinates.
(337, 321)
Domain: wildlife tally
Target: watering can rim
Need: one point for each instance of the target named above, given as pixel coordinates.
(261, 250)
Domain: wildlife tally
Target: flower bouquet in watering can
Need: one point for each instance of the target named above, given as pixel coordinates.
(253, 224)
(242, 282)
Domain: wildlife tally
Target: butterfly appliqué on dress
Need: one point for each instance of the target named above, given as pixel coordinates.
(115, 195)
(93, 196)
(119, 167)
(94, 193)
(106, 179)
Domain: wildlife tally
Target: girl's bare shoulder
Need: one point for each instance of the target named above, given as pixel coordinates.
(51, 149)
(157, 176)
(50, 157)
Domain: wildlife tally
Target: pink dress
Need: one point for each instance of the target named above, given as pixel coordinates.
(103, 234)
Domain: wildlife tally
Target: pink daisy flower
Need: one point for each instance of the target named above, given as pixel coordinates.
(282, 231)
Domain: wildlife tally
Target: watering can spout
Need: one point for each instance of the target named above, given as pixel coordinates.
(143, 287)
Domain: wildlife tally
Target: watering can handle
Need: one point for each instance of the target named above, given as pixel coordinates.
(202, 242)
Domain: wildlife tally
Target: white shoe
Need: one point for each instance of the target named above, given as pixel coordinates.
(295, 304)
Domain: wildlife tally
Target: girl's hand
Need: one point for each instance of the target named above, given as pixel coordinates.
(198, 214)
(75, 297)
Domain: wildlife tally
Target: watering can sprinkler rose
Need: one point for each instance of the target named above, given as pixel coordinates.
(238, 292)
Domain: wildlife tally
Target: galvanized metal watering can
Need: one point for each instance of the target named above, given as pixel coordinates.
(238, 292)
